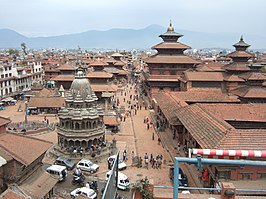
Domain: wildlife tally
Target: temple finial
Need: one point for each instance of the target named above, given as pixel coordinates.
(170, 28)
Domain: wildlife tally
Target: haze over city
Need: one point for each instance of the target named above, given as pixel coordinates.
(49, 17)
(132, 99)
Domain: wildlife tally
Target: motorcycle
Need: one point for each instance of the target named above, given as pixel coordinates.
(93, 185)
(78, 179)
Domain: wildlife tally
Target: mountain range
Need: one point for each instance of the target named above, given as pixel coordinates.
(128, 39)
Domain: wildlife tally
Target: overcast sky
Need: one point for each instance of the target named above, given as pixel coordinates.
(56, 17)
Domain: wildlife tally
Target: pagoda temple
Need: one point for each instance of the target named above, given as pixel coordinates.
(167, 65)
(238, 65)
(239, 58)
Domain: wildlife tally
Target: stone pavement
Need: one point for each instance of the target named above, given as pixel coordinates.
(137, 138)
(134, 136)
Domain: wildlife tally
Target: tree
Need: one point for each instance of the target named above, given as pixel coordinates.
(24, 48)
(143, 188)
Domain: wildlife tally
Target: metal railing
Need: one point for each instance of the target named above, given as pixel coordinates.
(199, 161)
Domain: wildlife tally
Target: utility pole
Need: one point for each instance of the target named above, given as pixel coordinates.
(26, 112)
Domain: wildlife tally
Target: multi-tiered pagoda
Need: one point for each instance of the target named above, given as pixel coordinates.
(238, 65)
(166, 67)
(240, 58)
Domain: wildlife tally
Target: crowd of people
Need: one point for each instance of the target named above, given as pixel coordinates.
(131, 102)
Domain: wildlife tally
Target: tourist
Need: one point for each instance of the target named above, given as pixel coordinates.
(75, 152)
(178, 147)
(153, 136)
(159, 163)
(151, 157)
(125, 155)
(80, 151)
(146, 158)
(109, 162)
(147, 120)
(159, 140)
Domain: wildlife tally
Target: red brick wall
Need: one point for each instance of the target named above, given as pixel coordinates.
(254, 171)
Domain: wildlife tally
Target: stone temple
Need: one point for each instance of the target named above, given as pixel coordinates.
(81, 124)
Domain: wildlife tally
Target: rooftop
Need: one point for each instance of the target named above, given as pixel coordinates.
(250, 92)
(66, 66)
(169, 59)
(205, 96)
(171, 45)
(168, 106)
(39, 184)
(46, 102)
(204, 127)
(253, 139)
(237, 112)
(17, 146)
(68, 78)
(204, 76)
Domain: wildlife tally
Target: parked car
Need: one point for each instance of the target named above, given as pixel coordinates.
(70, 164)
(84, 191)
(87, 165)
(183, 181)
(121, 164)
(58, 171)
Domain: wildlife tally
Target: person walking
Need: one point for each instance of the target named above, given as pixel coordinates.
(148, 126)
(151, 158)
(159, 163)
(153, 136)
(178, 147)
(159, 140)
(124, 155)
(146, 158)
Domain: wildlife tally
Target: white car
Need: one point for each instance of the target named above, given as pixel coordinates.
(87, 165)
(123, 182)
(84, 191)
(121, 164)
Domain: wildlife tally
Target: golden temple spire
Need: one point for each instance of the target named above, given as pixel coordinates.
(170, 28)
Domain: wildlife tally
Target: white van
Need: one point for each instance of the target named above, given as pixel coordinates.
(58, 171)
(123, 182)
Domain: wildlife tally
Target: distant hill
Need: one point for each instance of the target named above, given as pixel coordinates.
(127, 39)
